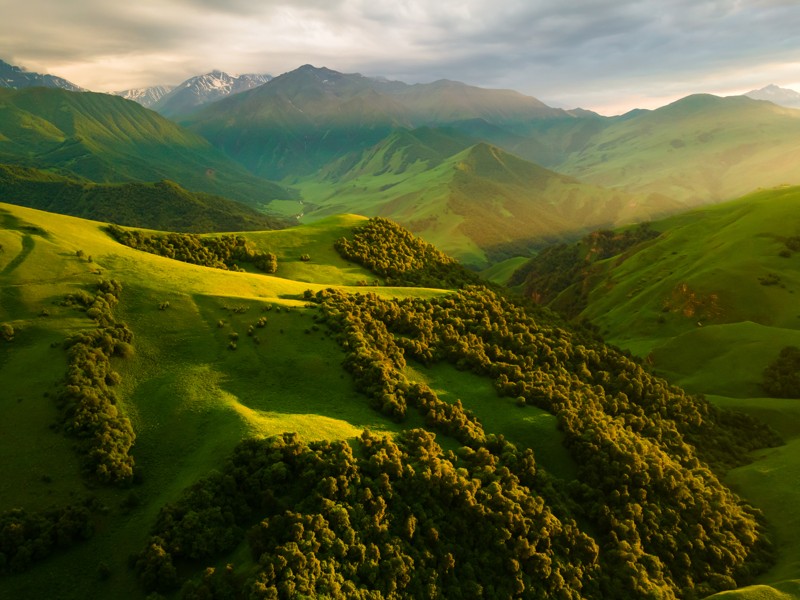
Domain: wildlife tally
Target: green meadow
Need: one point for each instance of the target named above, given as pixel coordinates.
(694, 305)
(190, 397)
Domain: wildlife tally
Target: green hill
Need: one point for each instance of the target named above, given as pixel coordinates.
(299, 122)
(480, 205)
(699, 150)
(709, 303)
(162, 205)
(550, 449)
(107, 139)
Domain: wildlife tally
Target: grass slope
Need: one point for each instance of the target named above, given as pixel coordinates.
(480, 205)
(190, 398)
(698, 150)
(691, 303)
(106, 138)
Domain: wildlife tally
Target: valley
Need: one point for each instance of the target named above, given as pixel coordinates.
(328, 335)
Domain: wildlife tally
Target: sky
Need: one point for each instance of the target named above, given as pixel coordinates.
(604, 55)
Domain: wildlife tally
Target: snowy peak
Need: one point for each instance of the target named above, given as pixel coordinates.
(776, 95)
(203, 89)
(18, 77)
(146, 96)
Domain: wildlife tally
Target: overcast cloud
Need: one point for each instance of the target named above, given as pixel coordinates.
(606, 55)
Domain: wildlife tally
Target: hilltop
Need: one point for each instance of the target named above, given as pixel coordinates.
(480, 204)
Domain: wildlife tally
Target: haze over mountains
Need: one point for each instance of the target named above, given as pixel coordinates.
(348, 143)
(560, 467)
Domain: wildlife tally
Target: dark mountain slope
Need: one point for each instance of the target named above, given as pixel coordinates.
(108, 139)
(164, 205)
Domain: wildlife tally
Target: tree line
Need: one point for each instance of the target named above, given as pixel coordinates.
(89, 406)
(227, 252)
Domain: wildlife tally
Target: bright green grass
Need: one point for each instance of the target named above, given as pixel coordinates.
(501, 272)
(526, 427)
(785, 590)
(191, 399)
(722, 359)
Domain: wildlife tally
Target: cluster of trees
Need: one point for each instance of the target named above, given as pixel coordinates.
(395, 254)
(564, 266)
(383, 519)
(89, 407)
(26, 538)
(782, 376)
(666, 524)
(225, 252)
(379, 519)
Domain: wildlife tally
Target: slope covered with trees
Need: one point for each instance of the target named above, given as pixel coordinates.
(163, 205)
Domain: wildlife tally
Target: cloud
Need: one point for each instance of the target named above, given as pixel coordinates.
(576, 53)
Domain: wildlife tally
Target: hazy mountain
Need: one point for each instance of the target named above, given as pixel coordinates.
(308, 117)
(699, 150)
(198, 91)
(480, 204)
(17, 78)
(108, 139)
(777, 95)
(146, 96)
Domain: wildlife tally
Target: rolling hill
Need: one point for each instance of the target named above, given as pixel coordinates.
(105, 138)
(204, 364)
(699, 150)
(161, 205)
(481, 204)
(708, 303)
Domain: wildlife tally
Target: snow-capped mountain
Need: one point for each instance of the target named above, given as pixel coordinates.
(146, 96)
(198, 91)
(17, 77)
(776, 95)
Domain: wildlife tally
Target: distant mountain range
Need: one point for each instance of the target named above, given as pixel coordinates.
(17, 78)
(777, 95)
(483, 173)
(194, 93)
(302, 120)
(146, 96)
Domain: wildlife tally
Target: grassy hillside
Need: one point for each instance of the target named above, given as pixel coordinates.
(698, 150)
(163, 205)
(219, 356)
(105, 138)
(709, 303)
(189, 397)
(480, 205)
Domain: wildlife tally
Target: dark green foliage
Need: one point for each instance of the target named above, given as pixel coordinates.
(393, 253)
(27, 538)
(89, 407)
(163, 205)
(782, 377)
(558, 268)
(223, 252)
(640, 443)
(7, 332)
(383, 520)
